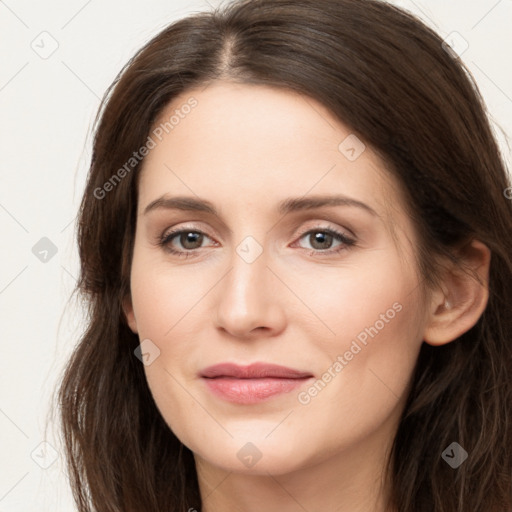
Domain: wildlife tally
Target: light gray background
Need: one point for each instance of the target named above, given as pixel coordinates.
(47, 107)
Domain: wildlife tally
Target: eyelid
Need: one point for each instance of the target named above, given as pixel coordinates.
(301, 232)
(328, 226)
(179, 229)
(346, 240)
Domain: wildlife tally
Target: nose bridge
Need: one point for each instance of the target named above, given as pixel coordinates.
(247, 299)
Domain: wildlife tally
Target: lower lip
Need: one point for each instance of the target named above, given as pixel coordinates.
(251, 391)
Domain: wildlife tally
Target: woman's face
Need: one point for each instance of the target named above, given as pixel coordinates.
(260, 275)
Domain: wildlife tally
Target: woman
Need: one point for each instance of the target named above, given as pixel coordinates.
(295, 247)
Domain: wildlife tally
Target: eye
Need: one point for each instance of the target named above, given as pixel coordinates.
(184, 242)
(321, 240)
(188, 239)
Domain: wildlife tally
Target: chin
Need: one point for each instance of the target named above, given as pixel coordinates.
(257, 457)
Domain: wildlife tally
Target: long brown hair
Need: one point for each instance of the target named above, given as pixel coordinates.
(389, 77)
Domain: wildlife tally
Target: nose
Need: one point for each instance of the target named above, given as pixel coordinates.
(250, 300)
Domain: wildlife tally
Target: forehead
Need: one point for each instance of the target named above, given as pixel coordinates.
(246, 144)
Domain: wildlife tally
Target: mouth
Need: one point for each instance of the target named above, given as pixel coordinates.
(252, 384)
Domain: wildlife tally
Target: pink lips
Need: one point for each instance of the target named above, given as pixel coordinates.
(253, 383)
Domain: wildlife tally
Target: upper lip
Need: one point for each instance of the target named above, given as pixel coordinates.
(253, 371)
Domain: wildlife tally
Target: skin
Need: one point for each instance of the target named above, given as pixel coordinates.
(246, 148)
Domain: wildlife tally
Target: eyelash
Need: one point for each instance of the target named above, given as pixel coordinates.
(346, 242)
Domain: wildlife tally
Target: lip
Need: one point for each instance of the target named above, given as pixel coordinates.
(253, 371)
(253, 383)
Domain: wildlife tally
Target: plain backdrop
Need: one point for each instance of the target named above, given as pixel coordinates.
(57, 59)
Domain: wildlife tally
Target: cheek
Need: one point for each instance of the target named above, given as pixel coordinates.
(370, 361)
(167, 305)
(344, 302)
(164, 297)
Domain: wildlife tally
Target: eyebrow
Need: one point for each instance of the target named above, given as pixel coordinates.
(287, 206)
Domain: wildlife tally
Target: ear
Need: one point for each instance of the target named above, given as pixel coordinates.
(457, 308)
(129, 314)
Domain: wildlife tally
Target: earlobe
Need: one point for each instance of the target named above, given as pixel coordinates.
(459, 306)
(129, 314)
